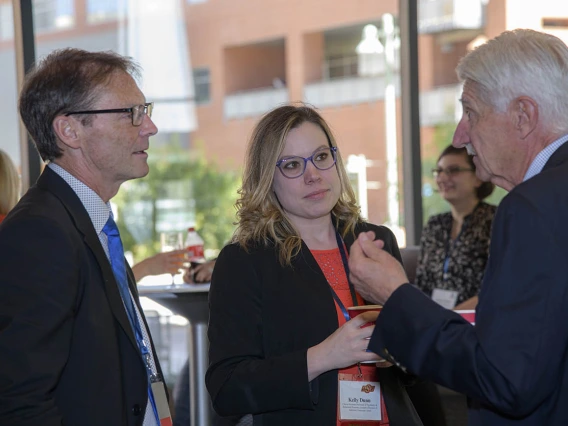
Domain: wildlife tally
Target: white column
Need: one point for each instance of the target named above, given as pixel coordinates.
(155, 36)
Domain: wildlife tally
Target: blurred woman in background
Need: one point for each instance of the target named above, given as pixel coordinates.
(455, 246)
(9, 185)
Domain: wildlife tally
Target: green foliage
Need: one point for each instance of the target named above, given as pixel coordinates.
(203, 193)
(497, 195)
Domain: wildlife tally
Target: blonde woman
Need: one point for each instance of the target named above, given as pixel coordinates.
(281, 345)
(9, 185)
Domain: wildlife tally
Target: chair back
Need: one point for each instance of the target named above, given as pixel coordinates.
(410, 261)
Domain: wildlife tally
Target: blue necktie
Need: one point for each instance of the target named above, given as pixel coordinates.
(116, 253)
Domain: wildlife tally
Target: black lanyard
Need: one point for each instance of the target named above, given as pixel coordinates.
(351, 288)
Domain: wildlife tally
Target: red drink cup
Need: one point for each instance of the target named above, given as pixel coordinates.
(468, 315)
(357, 310)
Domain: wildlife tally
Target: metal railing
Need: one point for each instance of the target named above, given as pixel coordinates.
(254, 102)
(440, 105)
(446, 15)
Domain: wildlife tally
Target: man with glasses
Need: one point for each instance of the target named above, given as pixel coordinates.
(513, 363)
(137, 112)
(74, 343)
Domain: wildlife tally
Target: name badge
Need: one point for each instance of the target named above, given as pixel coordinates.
(359, 400)
(161, 401)
(446, 298)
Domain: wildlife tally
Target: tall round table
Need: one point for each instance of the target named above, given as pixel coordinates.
(190, 301)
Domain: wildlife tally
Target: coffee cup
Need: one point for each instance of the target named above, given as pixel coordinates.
(467, 314)
(358, 310)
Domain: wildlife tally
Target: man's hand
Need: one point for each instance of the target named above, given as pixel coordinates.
(374, 273)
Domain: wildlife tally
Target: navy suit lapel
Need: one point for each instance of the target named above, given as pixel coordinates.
(52, 182)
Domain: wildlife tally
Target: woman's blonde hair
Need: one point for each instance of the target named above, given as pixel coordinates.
(9, 184)
(261, 219)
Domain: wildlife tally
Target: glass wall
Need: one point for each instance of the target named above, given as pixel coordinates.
(255, 55)
(10, 141)
(212, 75)
(448, 30)
(213, 68)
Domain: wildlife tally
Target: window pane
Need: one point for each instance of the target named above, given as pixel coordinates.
(183, 188)
(262, 60)
(6, 21)
(101, 10)
(9, 118)
(448, 31)
(201, 81)
(53, 15)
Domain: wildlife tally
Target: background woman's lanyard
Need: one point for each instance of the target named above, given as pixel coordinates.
(351, 288)
(446, 267)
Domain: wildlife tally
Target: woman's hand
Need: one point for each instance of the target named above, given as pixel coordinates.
(162, 263)
(345, 347)
(470, 303)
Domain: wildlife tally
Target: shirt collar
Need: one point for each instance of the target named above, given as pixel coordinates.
(97, 209)
(543, 156)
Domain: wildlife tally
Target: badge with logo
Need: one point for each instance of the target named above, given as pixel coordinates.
(359, 399)
(161, 404)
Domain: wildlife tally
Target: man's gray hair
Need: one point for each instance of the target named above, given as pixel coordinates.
(517, 63)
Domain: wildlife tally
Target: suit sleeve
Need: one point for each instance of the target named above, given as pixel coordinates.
(37, 299)
(511, 358)
(241, 379)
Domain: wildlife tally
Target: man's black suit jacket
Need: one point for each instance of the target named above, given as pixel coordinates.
(514, 362)
(67, 351)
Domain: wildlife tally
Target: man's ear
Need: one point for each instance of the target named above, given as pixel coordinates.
(67, 130)
(525, 113)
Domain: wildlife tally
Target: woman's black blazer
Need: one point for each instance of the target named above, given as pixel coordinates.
(263, 319)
